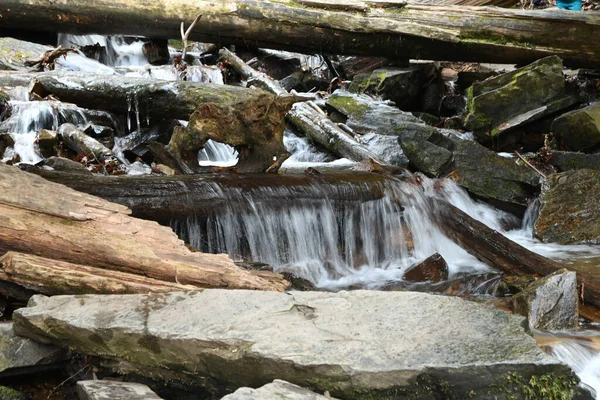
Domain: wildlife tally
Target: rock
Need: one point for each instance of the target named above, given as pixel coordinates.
(401, 85)
(157, 51)
(19, 355)
(46, 142)
(579, 130)
(347, 342)
(7, 393)
(570, 208)
(485, 174)
(14, 53)
(524, 95)
(114, 390)
(432, 269)
(64, 164)
(568, 161)
(550, 303)
(276, 390)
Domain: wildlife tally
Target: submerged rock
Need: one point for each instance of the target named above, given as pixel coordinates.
(276, 390)
(401, 85)
(20, 355)
(550, 303)
(114, 390)
(579, 130)
(433, 269)
(570, 208)
(524, 95)
(347, 343)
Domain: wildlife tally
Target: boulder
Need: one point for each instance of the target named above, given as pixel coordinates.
(14, 53)
(276, 390)
(550, 303)
(401, 85)
(19, 355)
(433, 269)
(570, 208)
(347, 343)
(568, 161)
(114, 390)
(579, 130)
(521, 96)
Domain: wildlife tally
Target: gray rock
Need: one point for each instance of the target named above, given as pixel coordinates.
(550, 303)
(569, 161)
(64, 164)
(570, 208)
(579, 130)
(348, 343)
(20, 355)
(277, 390)
(113, 390)
(403, 86)
(521, 96)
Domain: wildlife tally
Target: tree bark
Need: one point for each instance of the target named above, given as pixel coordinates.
(50, 220)
(391, 28)
(163, 198)
(53, 277)
(502, 253)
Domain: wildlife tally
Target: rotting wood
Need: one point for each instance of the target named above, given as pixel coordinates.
(50, 220)
(499, 252)
(53, 277)
(391, 29)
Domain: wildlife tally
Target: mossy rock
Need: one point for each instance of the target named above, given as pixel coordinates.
(579, 130)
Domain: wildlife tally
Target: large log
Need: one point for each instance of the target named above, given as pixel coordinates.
(502, 253)
(390, 28)
(50, 220)
(53, 277)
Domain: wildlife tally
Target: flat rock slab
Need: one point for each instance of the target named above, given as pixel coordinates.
(277, 390)
(353, 344)
(19, 355)
(113, 390)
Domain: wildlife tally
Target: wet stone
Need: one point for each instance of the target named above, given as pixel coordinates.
(113, 390)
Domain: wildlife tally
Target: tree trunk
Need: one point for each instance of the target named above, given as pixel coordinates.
(163, 198)
(502, 253)
(316, 126)
(50, 220)
(391, 28)
(53, 277)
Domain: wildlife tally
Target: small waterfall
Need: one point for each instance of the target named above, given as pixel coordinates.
(29, 117)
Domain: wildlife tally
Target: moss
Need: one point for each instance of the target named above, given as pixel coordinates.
(348, 106)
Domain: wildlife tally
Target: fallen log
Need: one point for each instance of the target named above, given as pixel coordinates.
(54, 277)
(164, 198)
(502, 253)
(392, 29)
(50, 220)
(250, 120)
(316, 126)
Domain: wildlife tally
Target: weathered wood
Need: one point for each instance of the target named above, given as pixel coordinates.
(316, 126)
(163, 198)
(54, 277)
(50, 220)
(391, 28)
(502, 253)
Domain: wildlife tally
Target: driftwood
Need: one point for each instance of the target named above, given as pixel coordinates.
(52, 221)
(163, 198)
(502, 253)
(250, 120)
(391, 29)
(304, 116)
(53, 277)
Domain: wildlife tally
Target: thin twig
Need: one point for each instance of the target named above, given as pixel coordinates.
(530, 165)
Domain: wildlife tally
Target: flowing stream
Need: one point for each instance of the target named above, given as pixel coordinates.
(335, 243)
